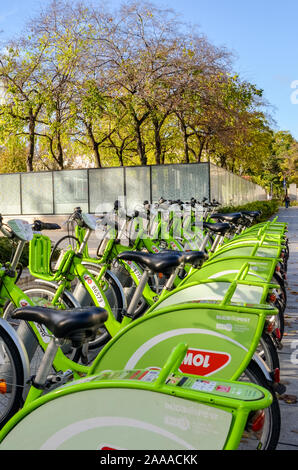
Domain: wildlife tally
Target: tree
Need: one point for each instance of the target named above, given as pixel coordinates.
(20, 70)
(13, 156)
(134, 86)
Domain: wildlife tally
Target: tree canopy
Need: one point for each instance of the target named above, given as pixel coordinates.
(136, 86)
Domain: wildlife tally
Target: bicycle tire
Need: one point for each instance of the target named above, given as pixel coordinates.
(11, 368)
(112, 292)
(271, 429)
(279, 280)
(115, 299)
(268, 352)
(41, 294)
(129, 288)
(280, 319)
(37, 292)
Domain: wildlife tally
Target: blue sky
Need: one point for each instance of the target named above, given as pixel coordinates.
(262, 34)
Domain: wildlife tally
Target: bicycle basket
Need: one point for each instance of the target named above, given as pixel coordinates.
(39, 256)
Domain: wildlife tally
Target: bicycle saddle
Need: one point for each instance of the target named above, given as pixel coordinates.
(217, 227)
(77, 325)
(251, 213)
(232, 217)
(157, 262)
(195, 258)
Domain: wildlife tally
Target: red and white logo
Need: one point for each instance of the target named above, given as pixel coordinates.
(202, 362)
(88, 279)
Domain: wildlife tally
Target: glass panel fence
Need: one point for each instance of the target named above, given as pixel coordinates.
(180, 181)
(95, 190)
(106, 185)
(137, 185)
(10, 194)
(231, 189)
(37, 193)
(70, 191)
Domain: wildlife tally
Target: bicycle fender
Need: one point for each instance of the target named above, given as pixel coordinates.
(263, 367)
(115, 279)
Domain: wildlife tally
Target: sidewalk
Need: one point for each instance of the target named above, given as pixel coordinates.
(289, 370)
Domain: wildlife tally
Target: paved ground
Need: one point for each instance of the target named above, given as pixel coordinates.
(288, 358)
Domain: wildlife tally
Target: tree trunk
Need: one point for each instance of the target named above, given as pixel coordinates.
(157, 140)
(223, 161)
(140, 144)
(185, 136)
(60, 152)
(96, 153)
(185, 143)
(201, 147)
(157, 147)
(31, 149)
(95, 145)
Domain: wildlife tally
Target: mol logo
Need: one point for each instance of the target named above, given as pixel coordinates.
(203, 362)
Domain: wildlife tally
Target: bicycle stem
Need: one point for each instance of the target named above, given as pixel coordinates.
(217, 241)
(84, 242)
(46, 363)
(138, 293)
(17, 254)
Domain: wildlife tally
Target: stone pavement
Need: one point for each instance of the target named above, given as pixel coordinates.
(289, 354)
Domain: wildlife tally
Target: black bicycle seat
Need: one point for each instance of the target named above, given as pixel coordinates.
(253, 214)
(76, 324)
(217, 227)
(163, 262)
(195, 258)
(232, 217)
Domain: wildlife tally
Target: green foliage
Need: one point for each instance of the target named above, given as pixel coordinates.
(88, 88)
(281, 163)
(7, 249)
(13, 156)
(267, 208)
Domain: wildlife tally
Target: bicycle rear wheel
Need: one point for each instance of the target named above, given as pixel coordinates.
(11, 377)
(114, 295)
(262, 429)
(268, 352)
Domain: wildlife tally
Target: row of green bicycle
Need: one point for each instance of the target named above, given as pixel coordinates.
(166, 338)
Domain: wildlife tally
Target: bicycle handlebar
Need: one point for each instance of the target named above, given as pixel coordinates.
(38, 226)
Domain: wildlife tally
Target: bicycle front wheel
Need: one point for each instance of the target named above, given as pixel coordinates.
(11, 377)
(41, 295)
